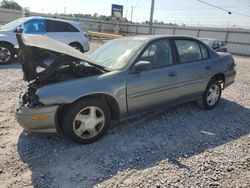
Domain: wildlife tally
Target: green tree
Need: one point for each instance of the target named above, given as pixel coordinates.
(10, 5)
(95, 16)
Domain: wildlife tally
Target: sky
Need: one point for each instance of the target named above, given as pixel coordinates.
(188, 12)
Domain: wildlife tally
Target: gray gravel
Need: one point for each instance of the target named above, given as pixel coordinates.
(183, 146)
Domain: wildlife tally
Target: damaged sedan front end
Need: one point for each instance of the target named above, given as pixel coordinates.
(64, 65)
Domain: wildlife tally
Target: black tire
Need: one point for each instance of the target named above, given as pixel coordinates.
(203, 102)
(77, 46)
(70, 113)
(10, 50)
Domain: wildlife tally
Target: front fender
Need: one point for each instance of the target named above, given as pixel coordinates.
(8, 38)
(69, 91)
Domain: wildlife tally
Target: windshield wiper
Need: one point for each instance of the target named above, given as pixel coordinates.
(99, 66)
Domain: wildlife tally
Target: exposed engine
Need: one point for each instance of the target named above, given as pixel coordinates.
(65, 64)
(67, 72)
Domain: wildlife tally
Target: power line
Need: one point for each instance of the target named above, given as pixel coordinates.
(242, 14)
(187, 9)
(229, 12)
(215, 6)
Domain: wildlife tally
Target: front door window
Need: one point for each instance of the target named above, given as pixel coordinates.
(158, 53)
(35, 27)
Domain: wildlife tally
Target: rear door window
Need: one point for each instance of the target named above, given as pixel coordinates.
(57, 26)
(204, 51)
(188, 50)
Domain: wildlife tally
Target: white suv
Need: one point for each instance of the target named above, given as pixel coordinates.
(66, 31)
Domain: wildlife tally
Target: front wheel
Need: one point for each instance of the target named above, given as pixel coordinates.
(211, 96)
(6, 54)
(86, 121)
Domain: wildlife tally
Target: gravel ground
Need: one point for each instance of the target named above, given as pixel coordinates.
(180, 147)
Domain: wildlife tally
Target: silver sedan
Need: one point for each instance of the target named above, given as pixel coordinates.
(122, 78)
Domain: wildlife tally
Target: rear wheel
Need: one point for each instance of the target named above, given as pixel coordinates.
(211, 96)
(77, 46)
(86, 121)
(6, 54)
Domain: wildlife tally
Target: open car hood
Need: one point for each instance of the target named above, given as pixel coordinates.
(33, 49)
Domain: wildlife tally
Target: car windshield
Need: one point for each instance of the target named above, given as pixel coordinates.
(208, 42)
(115, 54)
(12, 25)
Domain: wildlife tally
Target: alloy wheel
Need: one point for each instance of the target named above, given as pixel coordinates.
(213, 95)
(5, 54)
(89, 122)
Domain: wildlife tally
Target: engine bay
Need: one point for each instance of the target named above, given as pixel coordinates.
(65, 63)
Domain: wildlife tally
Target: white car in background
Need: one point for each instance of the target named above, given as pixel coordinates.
(68, 32)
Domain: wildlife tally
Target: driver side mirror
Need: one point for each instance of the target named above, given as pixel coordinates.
(19, 29)
(141, 66)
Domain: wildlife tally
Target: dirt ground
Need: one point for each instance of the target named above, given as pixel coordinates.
(183, 146)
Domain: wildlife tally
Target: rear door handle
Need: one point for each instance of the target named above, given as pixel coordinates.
(208, 67)
(172, 74)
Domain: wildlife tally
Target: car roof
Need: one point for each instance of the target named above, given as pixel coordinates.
(47, 18)
(148, 38)
(208, 39)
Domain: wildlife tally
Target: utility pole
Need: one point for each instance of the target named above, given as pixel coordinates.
(132, 8)
(23, 12)
(151, 17)
(64, 10)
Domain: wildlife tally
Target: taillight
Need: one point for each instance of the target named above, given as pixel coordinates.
(85, 35)
(234, 64)
(231, 65)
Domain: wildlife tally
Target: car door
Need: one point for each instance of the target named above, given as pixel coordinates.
(61, 31)
(157, 85)
(193, 68)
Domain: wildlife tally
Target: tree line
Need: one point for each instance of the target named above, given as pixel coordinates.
(9, 4)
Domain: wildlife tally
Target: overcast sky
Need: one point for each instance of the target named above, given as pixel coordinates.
(190, 12)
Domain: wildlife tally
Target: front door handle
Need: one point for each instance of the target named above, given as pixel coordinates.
(208, 67)
(172, 74)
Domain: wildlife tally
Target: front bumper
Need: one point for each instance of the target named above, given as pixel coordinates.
(86, 45)
(38, 119)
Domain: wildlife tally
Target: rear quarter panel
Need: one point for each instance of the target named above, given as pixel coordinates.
(224, 64)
